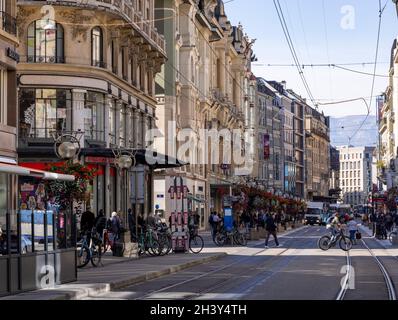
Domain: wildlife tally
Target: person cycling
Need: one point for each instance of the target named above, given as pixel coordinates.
(335, 225)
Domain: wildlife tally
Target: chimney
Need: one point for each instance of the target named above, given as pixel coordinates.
(284, 84)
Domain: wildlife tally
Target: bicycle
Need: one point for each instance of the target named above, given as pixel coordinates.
(196, 242)
(148, 244)
(327, 242)
(235, 235)
(88, 251)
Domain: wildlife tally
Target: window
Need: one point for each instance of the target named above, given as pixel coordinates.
(45, 42)
(94, 127)
(122, 126)
(43, 111)
(112, 123)
(3, 96)
(113, 58)
(97, 52)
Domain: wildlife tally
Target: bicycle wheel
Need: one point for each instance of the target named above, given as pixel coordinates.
(240, 239)
(164, 245)
(83, 256)
(96, 255)
(155, 248)
(324, 243)
(392, 235)
(196, 244)
(345, 243)
(221, 239)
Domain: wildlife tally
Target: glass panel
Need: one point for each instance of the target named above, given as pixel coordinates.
(50, 45)
(51, 112)
(39, 230)
(50, 231)
(40, 114)
(26, 231)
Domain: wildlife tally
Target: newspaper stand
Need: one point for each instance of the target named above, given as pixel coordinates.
(179, 216)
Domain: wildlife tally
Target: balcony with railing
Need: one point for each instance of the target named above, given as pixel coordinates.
(8, 23)
(124, 9)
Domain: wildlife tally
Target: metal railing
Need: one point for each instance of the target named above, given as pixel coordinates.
(8, 23)
(43, 59)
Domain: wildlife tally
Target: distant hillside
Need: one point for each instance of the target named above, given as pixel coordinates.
(343, 128)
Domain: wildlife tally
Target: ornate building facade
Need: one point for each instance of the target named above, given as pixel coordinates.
(89, 67)
(206, 84)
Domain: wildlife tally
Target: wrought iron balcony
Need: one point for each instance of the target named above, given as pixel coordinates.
(8, 23)
(124, 9)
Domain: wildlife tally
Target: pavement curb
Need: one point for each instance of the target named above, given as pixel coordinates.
(97, 289)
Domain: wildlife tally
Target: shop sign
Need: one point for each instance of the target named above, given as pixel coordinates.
(101, 160)
(12, 54)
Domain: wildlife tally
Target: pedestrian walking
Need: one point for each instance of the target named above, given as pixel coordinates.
(131, 218)
(116, 226)
(271, 228)
(352, 226)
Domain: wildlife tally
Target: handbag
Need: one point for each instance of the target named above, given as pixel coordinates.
(358, 236)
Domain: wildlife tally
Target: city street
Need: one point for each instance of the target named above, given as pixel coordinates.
(295, 271)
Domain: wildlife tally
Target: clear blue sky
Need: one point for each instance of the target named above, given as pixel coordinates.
(315, 26)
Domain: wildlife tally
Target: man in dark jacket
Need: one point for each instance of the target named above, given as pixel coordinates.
(132, 225)
(87, 221)
(100, 222)
(270, 227)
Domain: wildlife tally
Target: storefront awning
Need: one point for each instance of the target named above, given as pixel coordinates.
(45, 175)
(153, 160)
(195, 198)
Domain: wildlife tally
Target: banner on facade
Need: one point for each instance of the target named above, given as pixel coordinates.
(266, 147)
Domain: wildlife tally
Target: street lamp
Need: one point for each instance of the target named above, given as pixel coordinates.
(67, 144)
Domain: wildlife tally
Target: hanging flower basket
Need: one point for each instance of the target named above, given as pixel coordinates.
(63, 192)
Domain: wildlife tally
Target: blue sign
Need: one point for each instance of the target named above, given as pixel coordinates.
(228, 219)
(157, 207)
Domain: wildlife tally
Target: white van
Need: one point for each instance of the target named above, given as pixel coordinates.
(315, 212)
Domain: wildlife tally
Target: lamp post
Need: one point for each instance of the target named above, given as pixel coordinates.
(125, 160)
(67, 147)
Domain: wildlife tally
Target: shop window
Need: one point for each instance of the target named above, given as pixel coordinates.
(3, 215)
(122, 126)
(43, 111)
(112, 123)
(94, 124)
(45, 42)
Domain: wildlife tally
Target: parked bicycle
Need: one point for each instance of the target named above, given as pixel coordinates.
(89, 250)
(196, 242)
(235, 236)
(147, 243)
(329, 241)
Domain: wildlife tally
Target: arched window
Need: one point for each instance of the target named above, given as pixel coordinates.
(45, 42)
(97, 52)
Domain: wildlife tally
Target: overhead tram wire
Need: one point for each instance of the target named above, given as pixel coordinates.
(292, 49)
(381, 10)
